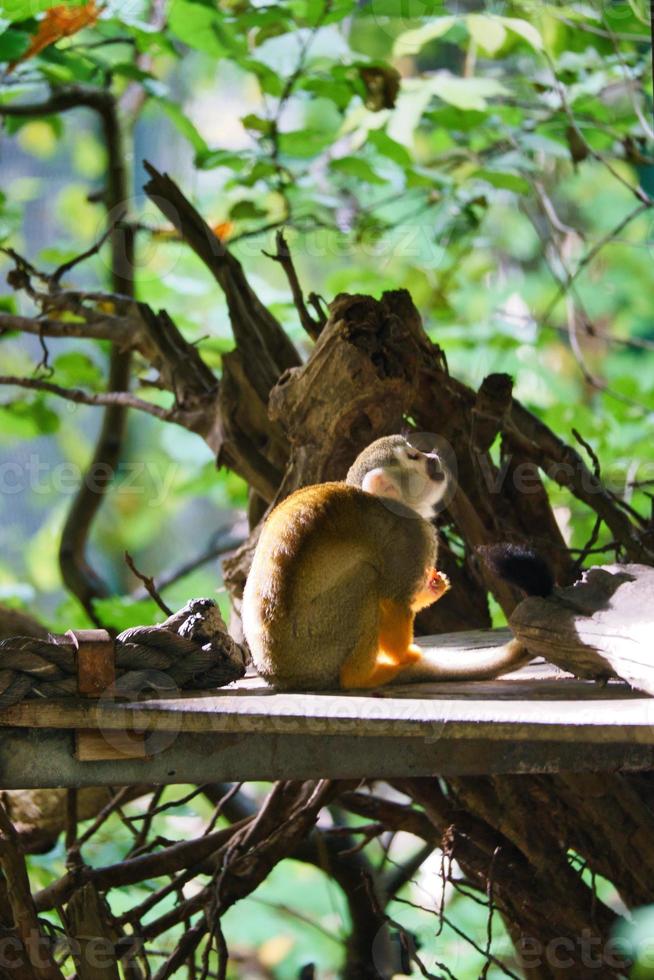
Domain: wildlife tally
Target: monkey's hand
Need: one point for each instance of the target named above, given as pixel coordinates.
(435, 586)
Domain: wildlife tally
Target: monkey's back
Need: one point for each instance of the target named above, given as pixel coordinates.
(325, 557)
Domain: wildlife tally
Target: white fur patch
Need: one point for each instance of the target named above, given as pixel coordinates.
(380, 484)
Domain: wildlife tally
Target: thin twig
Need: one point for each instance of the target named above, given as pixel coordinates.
(117, 799)
(283, 256)
(220, 806)
(171, 805)
(151, 589)
(224, 540)
(93, 250)
(300, 916)
(407, 941)
(588, 257)
(140, 841)
(448, 922)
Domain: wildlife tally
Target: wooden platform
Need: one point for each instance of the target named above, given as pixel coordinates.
(535, 720)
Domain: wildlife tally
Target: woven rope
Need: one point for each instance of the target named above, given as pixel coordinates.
(190, 650)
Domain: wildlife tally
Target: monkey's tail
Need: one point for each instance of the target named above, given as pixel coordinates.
(520, 566)
(441, 664)
(517, 564)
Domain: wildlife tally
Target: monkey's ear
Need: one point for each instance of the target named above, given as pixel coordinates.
(378, 481)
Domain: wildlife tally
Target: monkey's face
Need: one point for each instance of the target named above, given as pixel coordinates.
(393, 468)
(420, 477)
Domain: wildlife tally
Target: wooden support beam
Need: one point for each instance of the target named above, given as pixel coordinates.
(42, 759)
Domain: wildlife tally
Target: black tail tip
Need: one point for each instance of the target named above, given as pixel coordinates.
(520, 566)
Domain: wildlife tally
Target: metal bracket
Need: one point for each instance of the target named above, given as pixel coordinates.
(95, 658)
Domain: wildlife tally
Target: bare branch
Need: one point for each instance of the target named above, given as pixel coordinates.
(259, 337)
(125, 332)
(171, 859)
(61, 100)
(122, 399)
(283, 256)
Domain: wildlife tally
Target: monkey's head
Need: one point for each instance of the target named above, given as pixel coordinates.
(392, 467)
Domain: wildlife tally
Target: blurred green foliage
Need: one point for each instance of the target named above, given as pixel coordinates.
(495, 159)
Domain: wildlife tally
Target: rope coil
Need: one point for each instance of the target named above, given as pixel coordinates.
(191, 650)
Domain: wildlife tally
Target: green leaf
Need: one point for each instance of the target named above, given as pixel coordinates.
(257, 123)
(182, 122)
(269, 81)
(16, 10)
(13, 124)
(153, 86)
(129, 15)
(506, 181)
(13, 44)
(487, 31)
(339, 92)
(209, 159)
(75, 370)
(525, 29)
(67, 62)
(410, 42)
(201, 26)
(24, 419)
(466, 93)
(318, 12)
(302, 143)
(246, 209)
(261, 170)
(121, 612)
(389, 148)
(356, 167)
(446, 117)
(537, 143)
(271, 29)
(57, 74)
(404, 10)
(258, 18)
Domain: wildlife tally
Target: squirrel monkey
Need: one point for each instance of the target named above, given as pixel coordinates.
(340, 571)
